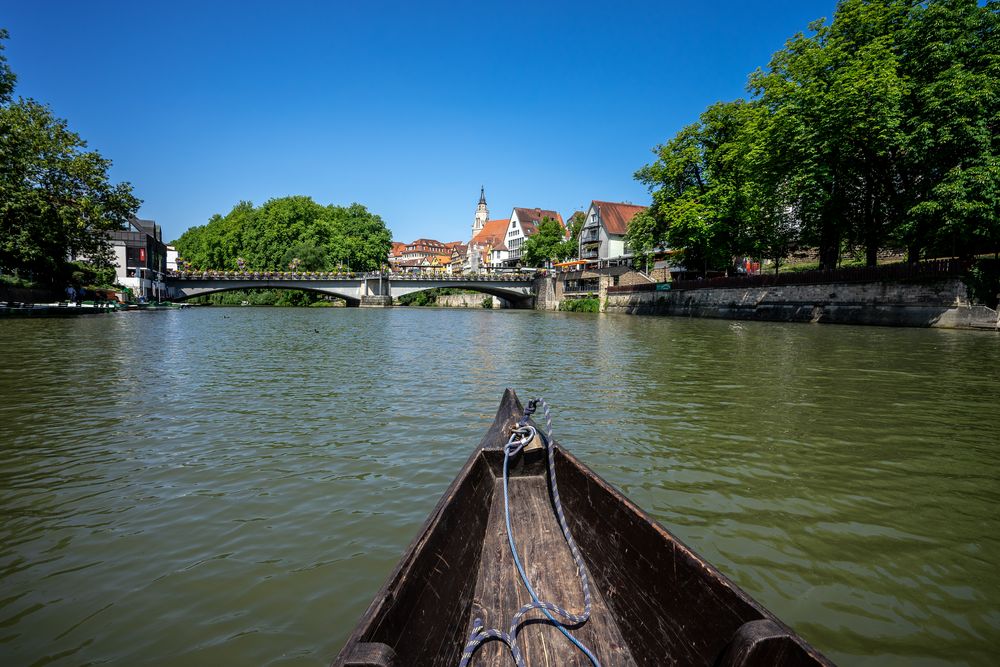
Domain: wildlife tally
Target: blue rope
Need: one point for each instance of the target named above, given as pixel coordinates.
(479, 634)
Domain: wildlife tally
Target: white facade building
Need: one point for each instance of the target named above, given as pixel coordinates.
(603, 234)
(171, 258)
(523, 224)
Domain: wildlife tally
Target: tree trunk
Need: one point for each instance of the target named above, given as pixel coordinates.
(829, 246)
(829, 237)
(871, 223)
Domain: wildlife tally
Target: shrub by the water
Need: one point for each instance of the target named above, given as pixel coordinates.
(585, 305)
(983, 281)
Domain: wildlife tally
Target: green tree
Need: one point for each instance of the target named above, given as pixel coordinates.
(269, 237)
(305, 257)
(645, 232)
(878, 129)
(546, 244)
(701, 184)
(884, 127)
(950, 171)
(55, 197)
(7, 77)
(359, 239)
(571, 246)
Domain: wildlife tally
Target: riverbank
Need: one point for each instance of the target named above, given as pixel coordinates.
(58, 309)
(21, 294)
(937, 304)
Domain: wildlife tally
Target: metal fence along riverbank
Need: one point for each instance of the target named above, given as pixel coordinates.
(935, 269)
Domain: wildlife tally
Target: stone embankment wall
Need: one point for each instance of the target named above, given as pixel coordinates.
(549, 289)
(469, 301)
(942, 303)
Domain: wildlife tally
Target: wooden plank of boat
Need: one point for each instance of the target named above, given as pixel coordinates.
(655, 601)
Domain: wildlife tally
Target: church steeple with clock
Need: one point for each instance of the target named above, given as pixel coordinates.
(482, 213)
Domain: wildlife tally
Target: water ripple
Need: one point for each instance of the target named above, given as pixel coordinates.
(227, 485)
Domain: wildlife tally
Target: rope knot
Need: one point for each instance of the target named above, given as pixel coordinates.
(519, 437)
(528, 411)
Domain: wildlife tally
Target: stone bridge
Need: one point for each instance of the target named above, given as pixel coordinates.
(368, 289)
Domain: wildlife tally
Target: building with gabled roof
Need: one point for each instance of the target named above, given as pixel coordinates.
(603, 232)
(459, 255)
(396, 252)
(523, 224)
(422, 248)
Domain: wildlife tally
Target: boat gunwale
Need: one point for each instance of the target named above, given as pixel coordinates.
(508, 413)
(710, 571)
(502, 423)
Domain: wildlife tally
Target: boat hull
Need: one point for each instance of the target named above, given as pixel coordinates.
(656, 602)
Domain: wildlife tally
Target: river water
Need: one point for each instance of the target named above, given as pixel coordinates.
(231, 486)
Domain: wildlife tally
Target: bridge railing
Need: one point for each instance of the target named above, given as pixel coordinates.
(336, 275)
(263, 275)
(491, 277)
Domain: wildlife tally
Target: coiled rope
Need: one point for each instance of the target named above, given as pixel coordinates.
(523, 434)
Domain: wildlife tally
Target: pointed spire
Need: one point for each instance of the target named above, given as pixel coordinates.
(482, 195)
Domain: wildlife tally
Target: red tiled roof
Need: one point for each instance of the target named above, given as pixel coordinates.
(492, 232)
(425, 245)
(615, 216)
(535, 215)
(531, 217)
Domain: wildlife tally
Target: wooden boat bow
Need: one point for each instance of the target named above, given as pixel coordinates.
(656, 602)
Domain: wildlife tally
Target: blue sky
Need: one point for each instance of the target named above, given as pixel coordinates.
(404, 107)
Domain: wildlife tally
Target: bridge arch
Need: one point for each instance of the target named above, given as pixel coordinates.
(517, 298)
(184, 293)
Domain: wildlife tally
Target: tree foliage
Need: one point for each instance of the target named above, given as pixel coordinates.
(305, 257)
(548, 243)
(55, 197)
(571, 246)
(876, 130)
(272, 236)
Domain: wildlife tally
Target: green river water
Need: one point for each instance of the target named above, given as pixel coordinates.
(231, 486)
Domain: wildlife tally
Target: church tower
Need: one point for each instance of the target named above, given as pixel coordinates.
(482, 213)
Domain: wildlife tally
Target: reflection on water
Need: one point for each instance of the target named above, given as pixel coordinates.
(232, 485)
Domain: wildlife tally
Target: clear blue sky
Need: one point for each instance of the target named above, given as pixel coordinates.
(406, 107)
